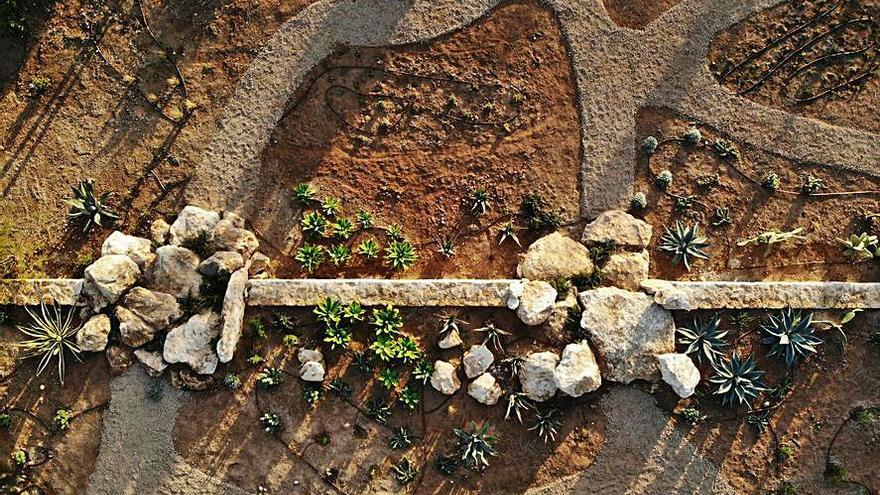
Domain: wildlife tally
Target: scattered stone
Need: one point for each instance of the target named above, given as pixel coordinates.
(188, 380)
(108, 278)
(536, 375)
(221, 263)
(233, 314)
(152, 360)
(628, 330)
(227, 237)
(159, 230)
(92, 337)
(626, 270)
(536, 302)
(140, 250)
(157, 309)
(119, 358)
(259, 264)
(577, 372)
(175, 272)
(514, 292)
(190, 343)
(619, 226)
(306, 355)
(191, 223)
(554, 256)
(452, 339)
(555, 328)
(445, 379)
(485, 389)
(134, 331)
(234, 218)
(312, 371)
(477, 360)
(679, 372)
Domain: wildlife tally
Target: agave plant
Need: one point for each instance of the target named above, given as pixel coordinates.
(400, 255)
(341, 388)
(476, 445)
(508, 231)
(329, 310)
(365, 219)
(394, 232)
(304, 193)
(339, 254)
(479, 201)
(387, 320)
(84, 204)
(337, 336)
(368, 248)
(401, 438)
(771, 238)
(342, 228)
(517, 402)
(407, 350)
(704, 338)
(404, 471)
(684, 243)
(861, 246)
(52, 335)
(313, 223)
(410, 397)
(389, 378)
(546, 425)
(331, 206)
(790, 335)
(379, 410)
(354, 312)
(494, 336)
(738, 380)
(384, 347)
(310, 256)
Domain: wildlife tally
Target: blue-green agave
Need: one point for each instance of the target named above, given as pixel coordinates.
(685, 243)
(790, 335)
(738, 380)
(704, 338)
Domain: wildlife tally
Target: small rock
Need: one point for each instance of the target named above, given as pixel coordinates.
(514, 292)
(259, 264)
(192, 222)
(536, 375)
(233, 314)
(477, 360)
(190, 343)
(312, 371)
(554, 256)
(119, 358)
(445, 379)
(140, 250)
(577, 372)
(108, 278)
(452, 339)
(159, 230)
(152, 360)
(221, 263)
(680, 373)
(188, 380)
(485, 389)
(92, 337)
(619, 226)
(306, 355)
(626, 270)
(556, 328)
(227, 237)
(536, 302)
(175, 272)
(235, 219)
(157, 309)
(134, 331)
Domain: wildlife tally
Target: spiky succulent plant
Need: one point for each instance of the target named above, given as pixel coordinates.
(310, 256)
(546, 425)
(400, 255)
(861, 246)
(663, 179)
(790, 335)
(738, 380)
(401, 438)
(649, 145)
(368, 248)
(703, 338)
(638, 202)
(684, 243)
(479, 201)
(270, 422)
(313, 223)
(84, 204)
(52, 336)
(476, 445)
(404, 471)
(692, 136)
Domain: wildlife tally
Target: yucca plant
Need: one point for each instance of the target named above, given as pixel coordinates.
(790, 335)
(84, 204)
(389, 378)
(704, 339)
(479, 201)
(52, 335)
(546, 425)
(337, 335)
(400, 255)
(313, 223)
(738, 380)
(379, 410)
(365, 219)
(387, 320)
(446, 247)
(271, 422)
(404, 471)
(310, 256)
(304, 193)
(339, 254)
(861, 246)
(331, 206)
(342, 228)
(684, 243)
(476, 445)
(410, 397)
(401, 438)
(517, 402)
(423, 370)
(368, 248)
(508, 231)
(394, 232)
(449, 322)
(270, 378)
(494, 336)
(329, 311)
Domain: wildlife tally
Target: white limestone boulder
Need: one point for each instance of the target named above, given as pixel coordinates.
(485, 389)
(679, 371)
(536, 376)
(553, 256)
(577, 372)
(140, 250)
(536, 302)
(227, 237)
(108, 278)
(191, 223)
(619, 226)
(93, 335)
(175, 272)
(190, 343)
(477, 360)
(233, 314)
(444, 379)
(450, 340)
(626, 270)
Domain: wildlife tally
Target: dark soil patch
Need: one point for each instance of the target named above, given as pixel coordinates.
(637, 14)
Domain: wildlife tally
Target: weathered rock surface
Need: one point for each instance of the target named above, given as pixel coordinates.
(555, 255)
(554, 329)
(259, 263)
(536, 302)
(191, 223)
(140, 250)
(187, 379)
(227, 237)
(134, 331)
(108, 278)
(628, 330)
(221, 264)
(175, 272)
(190, 343)
(577, 372)
(306, 355)
(477, 360)
(680, 373)
(452, 339)
(119, 358)
(311, 365)
(152, 360)
(626, 270)
(159, 231)
(444, 379)
(92, 337)
(234, 218)
(536, 375)
(514, 292)
(157, 309)
(615, 225)
(233, 314)
(485, 389)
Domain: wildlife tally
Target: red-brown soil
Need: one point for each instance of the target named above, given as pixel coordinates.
(637, 14)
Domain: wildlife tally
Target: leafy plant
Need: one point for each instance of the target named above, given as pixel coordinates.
(84, 204)
(811, 185)
(704, 339)
(684, 243)
(494, 335)
(546, 425)
(861, 246)
(389, 378)
(341, 388)
(384, 347)
(602, 251)
(738, 380)
(410, 397)
(836, 472)
(339, 254)
(312, 393)
(39, 85)
(400, 255)
(663, 180)
(362, 361)
(304, 193)
(19, 457)
(508, 231)
(394, 233)
(379, 410)
(476, 445)
(401, 438)
(255, 359)
(562, 286)
(62, 419)
(517, 402)
(740, 320)
(5, 420)
(342, 228)
(838, 325)
(771, 238)
(407, 350)
(684, 203)
(368, 248)
(404, 471)
(387, 320)
(354, 312)
(310, 256)
(479, 201)
(270, 378)
(52, 335)
(725, 149)
(423, 371)
(721, 218)
(539, 217)
(691, 415)
(791, 335)
(328, 311)
(331, 206)
(337, 335)
(290, 340)
(231, 381)
(271, 422)
(365, 219)
(771, 181)
(784, 452)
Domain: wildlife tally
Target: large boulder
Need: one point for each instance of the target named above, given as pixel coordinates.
(557, 328)
(626, 270)
(680, 373)
(108, 278)
(140, 250)
(477, 360)
(92, 337)
(221, 264)
(175, 272)
(157, 309)
(134, 331)
(227, 237)
(233, 314)
(554, 256)
(577, 372)
(190, 343)
(536, 375)
(536, 302)
(191, 223)
(485, 389)
(444, 379)
(624, 229)
(628, 330)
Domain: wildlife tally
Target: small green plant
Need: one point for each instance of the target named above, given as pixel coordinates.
(704, 339)
(328, 311)
(836, 472)
(290, 340)
(684, 203)
(337, 335)
(404, 471)
(387, 320)
(407, 350)
(270, 422)
(721, 218)
(341, 388)
(771, 182)
(255, 359)
(449, 322)
(331, 206)
(312, 393)
(772, 238)
(19, 458)
(638, 202)
(494, 336)
(62, 418)
(389, 378)
(684, 243)
(738, 380)
(476, 446)
(546, 425)
(314, 223)
(304, 194)
(692, 136)
(446, 246)
(5, 420)
(394, 233)
(708, 182)
(401, 438)
(400, 255)
(663, 180)
(310, 256)
(199, 244)
(508, 231)
(39, 85)
(84, 204)
(562, 286)
(384, 347)
(364, 219)
(479, 201)
(379, 410)
(740, 320)
(864, 417)
(342, 228)
(649, 145)
(811, 185)
(354, 312)
(269, 378)
(52, 336)
(410, 397)
(11, 18)
(790, 335)
(787, 488)
(368, 248)
(257, 328)
(446, 464)
(784, 452)
(517, 402)
(725, 149)
(861, 246)
(539, 217)
(385, 125)
(231, 381)
(692, 415)
(339, 254)
(423, 371)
